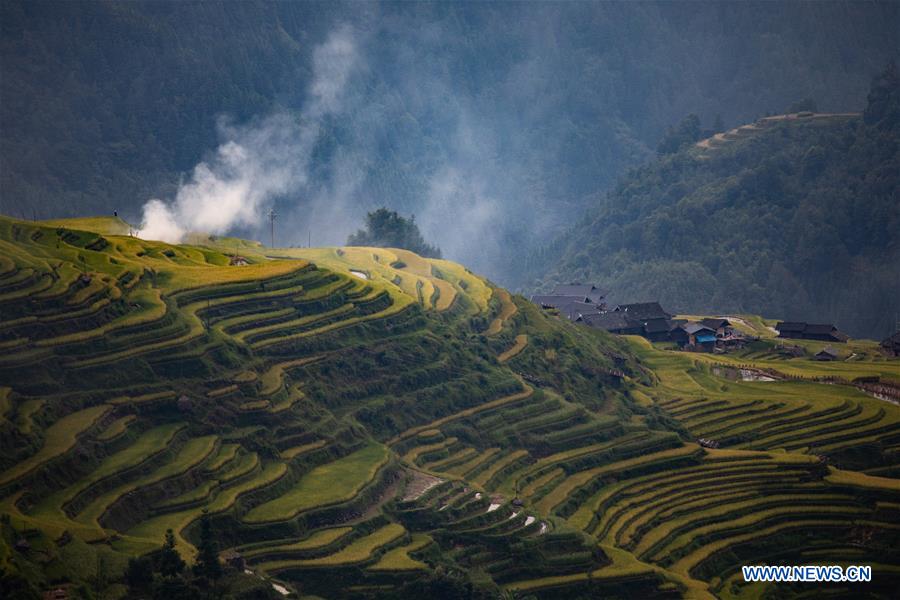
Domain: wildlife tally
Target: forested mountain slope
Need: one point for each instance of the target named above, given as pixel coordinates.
(795, 216)
(503, 118)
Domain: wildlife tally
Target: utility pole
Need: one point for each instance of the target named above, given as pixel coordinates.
(272, 216)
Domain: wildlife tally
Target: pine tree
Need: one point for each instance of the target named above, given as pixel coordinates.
(884, 98)
(170, 562)
(139, 574)
(207, 564)
(718, 125)
(388, 229)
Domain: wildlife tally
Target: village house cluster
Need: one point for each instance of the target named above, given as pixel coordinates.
(586, 304)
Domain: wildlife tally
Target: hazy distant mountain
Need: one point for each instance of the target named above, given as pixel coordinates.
(493, 122)
(792, 217)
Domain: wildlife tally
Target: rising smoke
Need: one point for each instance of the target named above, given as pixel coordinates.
(384, 122)
(370, 104)
(258, 161)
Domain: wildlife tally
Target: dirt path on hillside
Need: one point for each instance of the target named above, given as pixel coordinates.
(719, 139)
(508, 308)
(521, 343)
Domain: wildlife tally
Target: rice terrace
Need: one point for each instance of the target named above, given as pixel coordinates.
(384, 300)
(299, 407)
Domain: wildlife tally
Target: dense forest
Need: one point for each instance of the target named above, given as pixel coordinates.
(387, 229)
(504, 119)
(789, 217)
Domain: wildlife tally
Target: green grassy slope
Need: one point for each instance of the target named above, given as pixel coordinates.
(350, 416)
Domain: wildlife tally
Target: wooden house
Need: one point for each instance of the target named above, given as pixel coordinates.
(825, 332)
(678, 334)
(573, 310)
(647, 319)
(790, 329)
(720, 325)
(700, 337)
(570, 307)
(555, 301)
(827, 353)
(612, 322)
(891, 345)
(589, 292)
(658, 330)
(643, 311)
(573, 300)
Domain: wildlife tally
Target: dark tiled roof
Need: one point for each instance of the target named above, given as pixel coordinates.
(715, 323)
(556, 301)
(643, 311)
(574, 309)
(585, 290)
(694, 328)
(610, 321)
(828, 350)
(825, 328)
(893, 340)
(810, 329)
(570, 306)
(657, 325)
(790, 326)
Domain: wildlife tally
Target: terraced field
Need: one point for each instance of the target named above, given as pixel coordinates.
(353, 420)
(804, 412)
(721, 140)
(777, 476)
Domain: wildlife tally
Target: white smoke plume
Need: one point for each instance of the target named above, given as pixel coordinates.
(256, 162)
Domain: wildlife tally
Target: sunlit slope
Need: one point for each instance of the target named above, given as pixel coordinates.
(806, 463)
(144, 383)
(355, 418)
(101, 225)
(433, 283)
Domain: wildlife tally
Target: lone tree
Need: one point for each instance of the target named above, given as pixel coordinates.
(170, 562)
(387, 229)
(883, 109)
(685, 133)
(207, 564)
